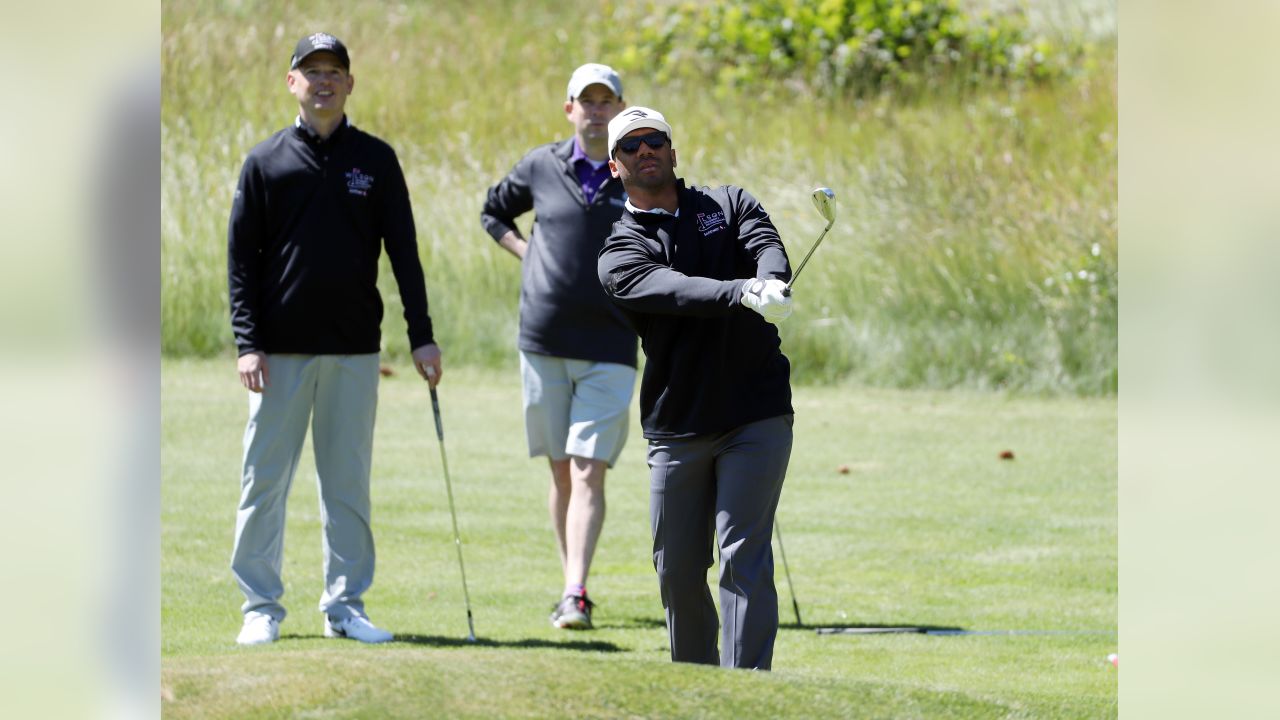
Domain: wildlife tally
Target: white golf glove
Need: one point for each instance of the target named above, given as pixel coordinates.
(766, 298)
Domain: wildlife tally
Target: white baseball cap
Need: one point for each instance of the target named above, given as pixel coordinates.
(592, 74)
(634, 118)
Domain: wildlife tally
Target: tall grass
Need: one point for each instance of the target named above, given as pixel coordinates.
(975, 244)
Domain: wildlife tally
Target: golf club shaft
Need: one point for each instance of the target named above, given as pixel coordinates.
(787, 289)
(448, 486)
(787, 569)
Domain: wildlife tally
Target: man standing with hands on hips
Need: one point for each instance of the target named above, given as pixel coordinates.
(315, 204)
(577, 353)
(701, 271)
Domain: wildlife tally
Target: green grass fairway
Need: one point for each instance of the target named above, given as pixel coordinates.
(928, 527)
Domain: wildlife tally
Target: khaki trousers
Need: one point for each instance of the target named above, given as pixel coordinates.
(337, 395)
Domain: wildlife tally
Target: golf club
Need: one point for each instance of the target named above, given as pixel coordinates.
(825, 200)
(457, 539)
(786, 569)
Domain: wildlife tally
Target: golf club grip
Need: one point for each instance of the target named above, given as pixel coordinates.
(435, 410)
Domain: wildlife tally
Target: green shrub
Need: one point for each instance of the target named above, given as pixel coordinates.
(840, 46)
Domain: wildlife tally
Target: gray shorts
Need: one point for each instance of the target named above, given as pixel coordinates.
(576, 408)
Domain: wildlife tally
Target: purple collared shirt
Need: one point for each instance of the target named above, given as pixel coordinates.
(589, 177)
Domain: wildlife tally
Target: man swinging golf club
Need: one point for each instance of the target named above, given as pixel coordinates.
(701, 273)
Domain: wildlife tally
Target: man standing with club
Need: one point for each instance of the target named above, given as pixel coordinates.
(314, 205)
(701, 273)
(577, 352)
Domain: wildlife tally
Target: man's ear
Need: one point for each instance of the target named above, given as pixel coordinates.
(673, 157)
(568, 108)
(351, 84)
(613, 167)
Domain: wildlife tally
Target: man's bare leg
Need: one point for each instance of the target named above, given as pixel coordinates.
(580, 530)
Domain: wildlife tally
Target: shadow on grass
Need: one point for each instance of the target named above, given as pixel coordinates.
(658, 623)
(872, 628)
(631, 623)
(439, 641)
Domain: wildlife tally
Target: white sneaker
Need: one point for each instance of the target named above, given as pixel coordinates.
(356, 628)
(258, 629)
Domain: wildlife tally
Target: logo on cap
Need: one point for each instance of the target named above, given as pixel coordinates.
(319, 42)
(323, 41)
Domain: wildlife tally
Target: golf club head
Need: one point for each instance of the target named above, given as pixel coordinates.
(825, 200)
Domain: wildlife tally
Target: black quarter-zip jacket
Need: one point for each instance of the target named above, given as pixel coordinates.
(712, 364)
(308, 223)
(563, 311)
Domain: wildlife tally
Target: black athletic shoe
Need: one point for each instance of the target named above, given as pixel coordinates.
(573, 613)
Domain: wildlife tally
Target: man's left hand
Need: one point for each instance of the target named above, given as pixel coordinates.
(426, 360)
(768, 298)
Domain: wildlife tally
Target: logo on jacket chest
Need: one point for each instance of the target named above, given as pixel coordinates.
(359, 183)
(711, 222)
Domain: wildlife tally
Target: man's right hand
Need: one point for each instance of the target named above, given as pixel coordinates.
(253, 371)
(766, 297)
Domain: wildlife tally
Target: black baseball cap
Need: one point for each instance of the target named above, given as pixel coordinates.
(319, 42)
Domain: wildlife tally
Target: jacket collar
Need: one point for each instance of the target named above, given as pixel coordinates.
(304, 130)
(564, 150)
(659, 214)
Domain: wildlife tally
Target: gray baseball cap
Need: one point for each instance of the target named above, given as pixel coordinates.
(592, 74)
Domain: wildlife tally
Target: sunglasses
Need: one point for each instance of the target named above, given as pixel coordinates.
(655, 140)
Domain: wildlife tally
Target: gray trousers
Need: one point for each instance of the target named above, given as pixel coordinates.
(338, 394)
(723, 486)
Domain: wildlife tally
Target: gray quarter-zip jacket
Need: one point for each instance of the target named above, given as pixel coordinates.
(563, 310)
